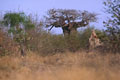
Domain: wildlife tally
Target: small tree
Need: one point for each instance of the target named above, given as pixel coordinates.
(18, 24)
(68, 19)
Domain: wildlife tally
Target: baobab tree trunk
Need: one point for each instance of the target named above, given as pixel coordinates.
(68, 31)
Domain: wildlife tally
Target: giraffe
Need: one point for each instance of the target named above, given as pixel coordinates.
(94, 41)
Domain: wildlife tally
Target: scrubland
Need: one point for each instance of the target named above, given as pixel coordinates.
(61, 66)
(29, 52)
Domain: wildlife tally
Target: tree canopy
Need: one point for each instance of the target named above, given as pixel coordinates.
(69, 19)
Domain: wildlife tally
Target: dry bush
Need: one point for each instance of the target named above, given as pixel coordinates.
(47, 44)
(7, 45)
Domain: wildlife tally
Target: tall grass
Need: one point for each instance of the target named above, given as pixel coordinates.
(68, 66)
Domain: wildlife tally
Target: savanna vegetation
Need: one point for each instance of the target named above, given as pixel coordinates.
(29, 52)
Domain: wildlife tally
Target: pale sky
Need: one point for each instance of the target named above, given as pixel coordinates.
(40, 7)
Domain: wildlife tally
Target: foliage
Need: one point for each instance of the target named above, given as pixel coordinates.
(13, 19)
(113, 24)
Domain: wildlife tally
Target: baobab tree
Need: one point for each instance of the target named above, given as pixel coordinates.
(68, 19)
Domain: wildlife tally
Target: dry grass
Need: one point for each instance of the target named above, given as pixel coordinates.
(69, 66)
